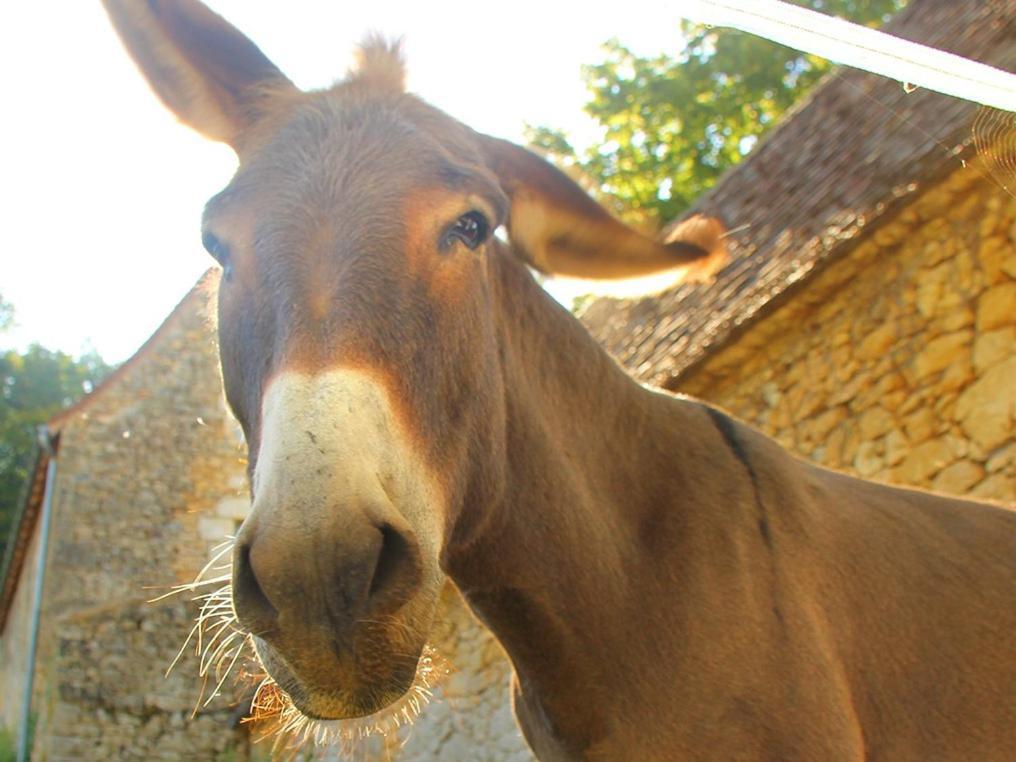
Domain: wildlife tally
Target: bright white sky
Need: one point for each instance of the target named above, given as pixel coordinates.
(102, 189)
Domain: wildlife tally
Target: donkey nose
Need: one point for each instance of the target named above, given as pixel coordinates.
(254, 611)
(286, 583)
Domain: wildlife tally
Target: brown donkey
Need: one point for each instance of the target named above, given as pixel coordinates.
(669, 583)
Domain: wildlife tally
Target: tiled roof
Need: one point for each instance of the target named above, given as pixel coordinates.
(858, 149)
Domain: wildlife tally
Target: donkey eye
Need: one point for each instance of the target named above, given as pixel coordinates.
(215, 247)
(471, 228)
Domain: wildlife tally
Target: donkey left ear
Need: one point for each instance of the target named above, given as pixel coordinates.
(559, 229)
(202, 68)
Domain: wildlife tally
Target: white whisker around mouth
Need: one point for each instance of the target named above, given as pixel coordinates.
(293, 730)
(224, 650)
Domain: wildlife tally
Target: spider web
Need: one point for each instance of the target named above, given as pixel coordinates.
(994, 135)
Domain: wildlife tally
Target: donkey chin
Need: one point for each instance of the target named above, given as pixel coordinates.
(369, 668)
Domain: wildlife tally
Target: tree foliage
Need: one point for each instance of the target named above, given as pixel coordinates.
(6, 315)
(672, 125)
(34, 386)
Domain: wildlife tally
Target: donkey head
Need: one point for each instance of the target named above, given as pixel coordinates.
(359, 346)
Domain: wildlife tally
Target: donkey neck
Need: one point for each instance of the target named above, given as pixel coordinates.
(601, 521)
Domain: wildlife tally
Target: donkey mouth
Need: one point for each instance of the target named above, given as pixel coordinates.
(326, 708)
(330, 718)
(346, 690)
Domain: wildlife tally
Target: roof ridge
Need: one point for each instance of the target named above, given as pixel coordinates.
(203, 284)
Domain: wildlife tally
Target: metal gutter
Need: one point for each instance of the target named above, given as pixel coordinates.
(46, 445)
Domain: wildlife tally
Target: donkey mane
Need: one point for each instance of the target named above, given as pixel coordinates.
(379, 64)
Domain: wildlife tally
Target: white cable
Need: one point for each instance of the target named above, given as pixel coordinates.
(858, 46)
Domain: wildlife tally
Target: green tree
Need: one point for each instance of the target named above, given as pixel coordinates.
(672, 125)
(6, 315)
(34, 386)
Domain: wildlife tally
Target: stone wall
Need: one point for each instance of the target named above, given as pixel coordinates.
(471, 718)
(150, 477)
(14, 643)
(138, 466)
(898, 362)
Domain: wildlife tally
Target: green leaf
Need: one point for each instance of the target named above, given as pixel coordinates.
(677, 123)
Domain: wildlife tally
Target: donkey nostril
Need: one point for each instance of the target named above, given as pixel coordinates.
(396, 566)
(255, 612)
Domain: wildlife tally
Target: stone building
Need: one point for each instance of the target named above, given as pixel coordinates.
(867, 320)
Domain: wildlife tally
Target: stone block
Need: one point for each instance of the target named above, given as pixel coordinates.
(966, 209)
(875, 422)
(958, 478)
(818, 427)
(868, 462)
(851, 443)
(233, 508)
(839, 357)
(771, 394)
(960, 446)
(818, 366)
(896, 447)
(986, 408)
(993, 347)
(877, 342)
(933, 252)
(997, 486)
(919, 425)
(915, 400)
(940, 352)
(933, 205)
(958, 374)
(1009, 261)
(991, 255)
(890, 235)
(1003, 460)
(834, 447)
(861, 393)
(989, 224)
(962, 316)
(780, 418)
(996, 307)
(969, 278)
(893, 400)
(928, 296)
(940, 273)
(945, 407)
(924, 461)
(215, 529)
(890, 382)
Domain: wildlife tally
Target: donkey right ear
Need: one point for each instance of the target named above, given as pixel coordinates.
(205, 70)
(560, 230)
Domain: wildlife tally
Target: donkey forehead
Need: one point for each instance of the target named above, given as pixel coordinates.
(340, 210)
(335, 150)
